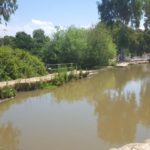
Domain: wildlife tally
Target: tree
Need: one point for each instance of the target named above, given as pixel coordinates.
(39, 41)
(74, 45)
(39, 36)
(131, 40)
(101, 48)
(125, 12)
(24, 41)
(67, 46)
(146, 41)
(1, 41)
(7, 7)
(9, 40)
(136, 41)
(147, 14)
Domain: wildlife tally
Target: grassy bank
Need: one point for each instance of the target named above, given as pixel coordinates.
(9, 89)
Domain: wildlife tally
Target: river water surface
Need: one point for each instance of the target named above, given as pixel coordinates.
(107, 110)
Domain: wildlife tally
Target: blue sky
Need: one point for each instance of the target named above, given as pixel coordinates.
(46, 14)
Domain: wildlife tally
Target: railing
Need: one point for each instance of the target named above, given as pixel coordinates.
(52, 68)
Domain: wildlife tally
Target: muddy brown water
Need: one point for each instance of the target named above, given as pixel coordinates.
(107, 110)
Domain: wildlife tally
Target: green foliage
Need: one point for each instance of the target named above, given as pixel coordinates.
(101, 47)
(136, 41)
(7, 92)
(39, 36)
(15, 63)
(67, 46)
(124, 11)
(39, 43)
(146, 41)
(23, 41)
(74, 45)
(120, 35)
(147, 14)
(9, 41)
(7, 7)
(63, 75)
(86, 48)
(46, 85)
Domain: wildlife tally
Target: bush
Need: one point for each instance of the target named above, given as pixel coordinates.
(16, 63)
(7, 92)
(101, 47)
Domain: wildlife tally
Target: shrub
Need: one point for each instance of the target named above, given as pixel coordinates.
(16, 63)
(7, 92)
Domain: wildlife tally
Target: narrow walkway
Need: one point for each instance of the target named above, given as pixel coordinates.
(12, 83)
(46, 78)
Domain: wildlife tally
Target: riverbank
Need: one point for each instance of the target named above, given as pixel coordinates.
(8, 89)
(135, 146)
(133, 62)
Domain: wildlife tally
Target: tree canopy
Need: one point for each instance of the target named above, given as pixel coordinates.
(125, 11)
(23, 41)
(101, 48)
(7, 7)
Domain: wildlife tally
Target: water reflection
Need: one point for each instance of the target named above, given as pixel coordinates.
(144, 110)
(116, 120)
(121, 100)
(9, 137)
(20, 99)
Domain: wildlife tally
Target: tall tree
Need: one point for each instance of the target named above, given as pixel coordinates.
(124, 12)
(9, 40)
(24, 41)
(39, 35)
(101, 48)
(147, 14)
(39, 39)
(7, 7)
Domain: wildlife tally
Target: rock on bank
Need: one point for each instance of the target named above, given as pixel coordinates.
(135, 146)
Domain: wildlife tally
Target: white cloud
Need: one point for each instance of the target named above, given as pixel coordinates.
(34, 24)
(85, 26)
(41, 23)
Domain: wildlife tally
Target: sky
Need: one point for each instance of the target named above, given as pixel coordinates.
(46, 14)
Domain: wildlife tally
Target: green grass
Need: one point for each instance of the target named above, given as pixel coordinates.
(7, 92)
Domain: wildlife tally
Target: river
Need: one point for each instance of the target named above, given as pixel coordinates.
(109, 109)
